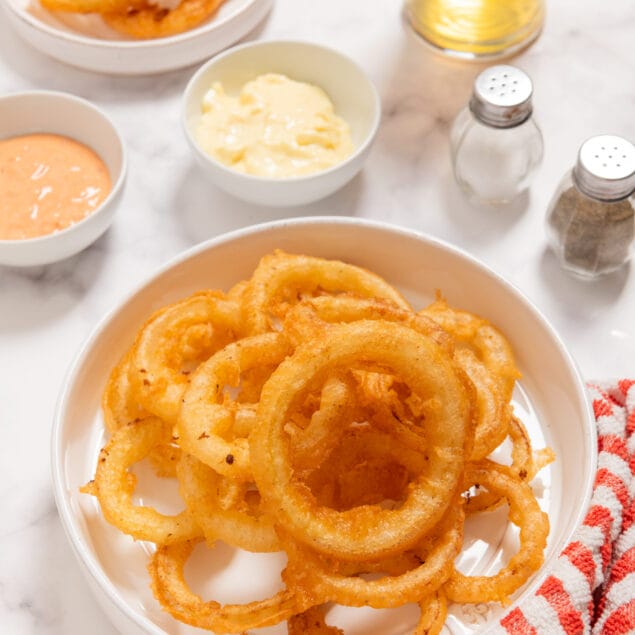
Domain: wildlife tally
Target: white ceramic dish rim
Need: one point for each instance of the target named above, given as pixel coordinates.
(126, 44)
(295, 179)
(57, 469)
(114, 190)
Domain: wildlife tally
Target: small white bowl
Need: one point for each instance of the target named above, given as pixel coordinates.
(352, 93)
(70, 116)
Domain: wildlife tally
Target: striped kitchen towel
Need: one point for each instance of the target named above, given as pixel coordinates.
(591, 588)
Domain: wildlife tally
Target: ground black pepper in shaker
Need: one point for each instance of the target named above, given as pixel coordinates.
(591, 218)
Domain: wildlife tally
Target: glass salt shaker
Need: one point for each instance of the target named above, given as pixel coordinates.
(591, 217)
(495, 142)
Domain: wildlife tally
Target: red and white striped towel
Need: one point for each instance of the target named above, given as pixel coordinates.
(591, 587)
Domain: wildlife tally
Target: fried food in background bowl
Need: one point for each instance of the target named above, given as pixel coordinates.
(123, 47)
(141, 19)
(549, 399)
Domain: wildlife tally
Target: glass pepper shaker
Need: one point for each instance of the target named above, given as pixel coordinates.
(591, 217)
(495, 142)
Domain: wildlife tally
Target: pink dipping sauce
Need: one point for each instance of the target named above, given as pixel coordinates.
(47, 183)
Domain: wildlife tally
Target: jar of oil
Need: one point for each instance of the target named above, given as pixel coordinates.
(477, 29)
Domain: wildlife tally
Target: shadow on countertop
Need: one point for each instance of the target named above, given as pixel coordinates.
(204, 211)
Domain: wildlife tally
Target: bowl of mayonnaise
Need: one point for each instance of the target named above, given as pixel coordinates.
(281, 122)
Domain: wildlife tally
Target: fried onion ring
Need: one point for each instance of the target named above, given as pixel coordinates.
(207, 413)
(239, 522)
(308, 317)
(114, 486)
(368, 531)
(281, 279)
(489, 344)
(311, 445)
(526, 463)
(493, 414)
(120, 407)
(309, 571)
(534, 527)
(434, 610)
(118, 403)
(183, 333)
(172, 591)
(311, 622)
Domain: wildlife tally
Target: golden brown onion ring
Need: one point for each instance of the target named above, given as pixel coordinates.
(477, 333)
(434, 610)
(310, 315)
(526, 463)
(524, 512)
(238, 522)
(120, 408)
(172, 591)
(207, 413)
(281, 279)
(311, 622)
(311, 445)
(492, 413)
(118, 403)
(367, 531)
(114, 486)
(399, 413)
(325, 582)
(186, 332)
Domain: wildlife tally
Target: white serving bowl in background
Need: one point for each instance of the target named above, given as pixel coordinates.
(347, 85)
(84, 40)
(69, 116)
(550, 399)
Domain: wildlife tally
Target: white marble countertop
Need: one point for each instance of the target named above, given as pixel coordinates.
(583, 67)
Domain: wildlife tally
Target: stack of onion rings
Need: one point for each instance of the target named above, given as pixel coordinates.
(311, 409)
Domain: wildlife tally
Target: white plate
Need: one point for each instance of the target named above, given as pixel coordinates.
(86, 42)
(550, 399)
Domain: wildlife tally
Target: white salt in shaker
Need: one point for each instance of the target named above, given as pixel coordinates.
(495, 142)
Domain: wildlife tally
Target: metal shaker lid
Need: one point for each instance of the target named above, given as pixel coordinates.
(502, 96)
(606, 168)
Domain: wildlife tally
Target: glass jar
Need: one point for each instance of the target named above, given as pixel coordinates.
(495, 142)
(477, 29)
(591, 217)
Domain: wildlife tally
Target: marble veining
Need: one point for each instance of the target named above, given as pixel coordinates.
(583, 67)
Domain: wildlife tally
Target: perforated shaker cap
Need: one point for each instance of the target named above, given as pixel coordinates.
(502, 96)
(606, 168)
